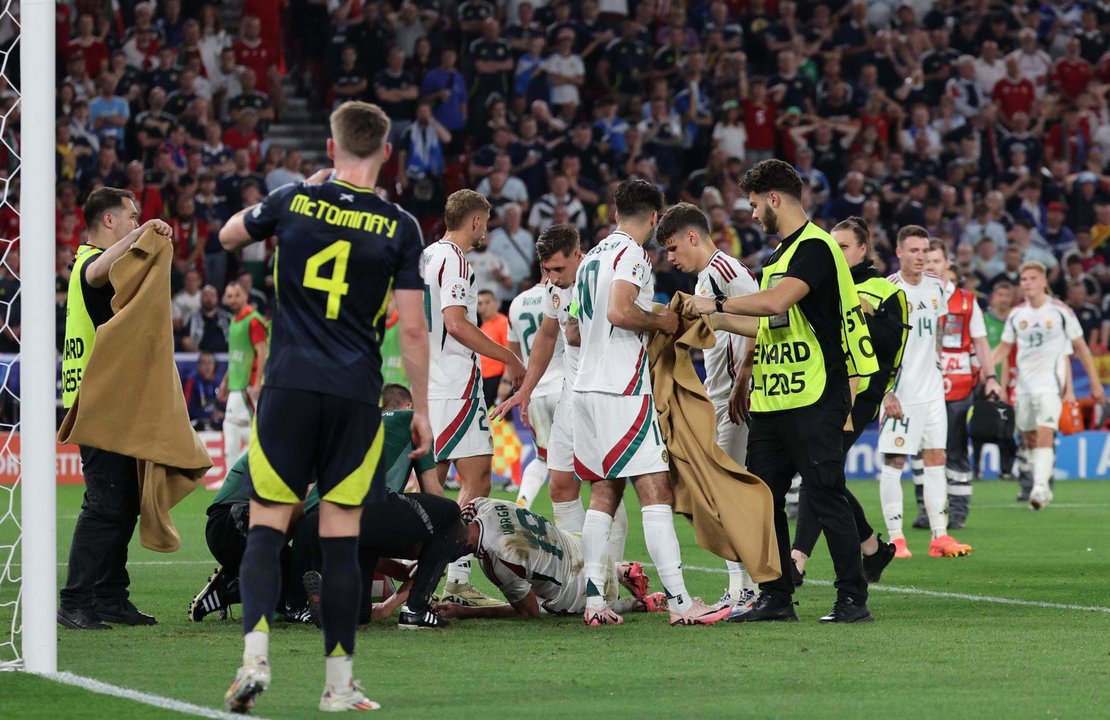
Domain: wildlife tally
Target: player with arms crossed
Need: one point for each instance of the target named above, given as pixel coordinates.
(526, 316)
(914, 418)
(458, 410)
(340, 249)
(617, 435)
(684, 232)
(1045, 331)
(536, 565)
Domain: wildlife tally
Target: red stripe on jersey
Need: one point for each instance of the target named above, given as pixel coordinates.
(636, 375)
(583, 472)
(629, 435)
(617, 259)
(448, 432)
(727, 273)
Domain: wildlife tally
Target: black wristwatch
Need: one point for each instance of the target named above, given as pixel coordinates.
(720, 300)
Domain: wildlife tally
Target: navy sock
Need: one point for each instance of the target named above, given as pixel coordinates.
(340, 594)
(260, 577)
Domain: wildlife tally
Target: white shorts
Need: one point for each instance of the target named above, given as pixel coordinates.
(460, 428)
(560, 441)
(541, 415)
(617, 436)
(732, 438)
(924, 426)
(1040, 410)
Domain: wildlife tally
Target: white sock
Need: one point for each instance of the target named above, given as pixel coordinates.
(1044, 460)
(533, 478)
(618, 534)
(662, 546)
(337, 671)
(890, 496)
(569, 515)
(936, 497)
(458, 572)
(595, 551)
(256, 644)
(738, 578)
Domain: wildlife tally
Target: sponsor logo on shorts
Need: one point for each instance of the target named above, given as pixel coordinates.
(666, 456)
(458, 291)
(899, 441)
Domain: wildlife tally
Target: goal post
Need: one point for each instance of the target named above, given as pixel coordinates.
(38, 358)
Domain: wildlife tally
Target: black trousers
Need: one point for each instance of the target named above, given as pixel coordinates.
(391, 527)
(807, 529)
(97, 572)
(809, 441)
(957, 460)
(226, 534)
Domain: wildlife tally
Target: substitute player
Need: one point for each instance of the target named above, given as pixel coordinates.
(1045, 331)
(458, 410)
(247, 341)
(913, 419)
(538, 566)
(340, 250)
(525, 320)
(684, 232)
(617, 435)
(964, 334)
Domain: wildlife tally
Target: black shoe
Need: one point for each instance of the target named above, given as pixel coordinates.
(420, 620)
(847, 610)
(1023, 496)
(301, 615)
(124, 613)
(312, 581)
(769, 608)
(81, 619)
(956, 522)
(873, 565)
(921, 522)
(218, 594)
(798, 577)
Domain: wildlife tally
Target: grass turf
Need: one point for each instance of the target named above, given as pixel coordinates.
(926, 656)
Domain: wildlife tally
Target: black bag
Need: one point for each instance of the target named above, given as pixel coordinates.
(992, 420)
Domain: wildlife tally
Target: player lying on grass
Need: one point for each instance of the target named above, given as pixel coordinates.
(538, 567)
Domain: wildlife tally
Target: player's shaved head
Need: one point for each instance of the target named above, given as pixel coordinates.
(396, 397)
(359, 128)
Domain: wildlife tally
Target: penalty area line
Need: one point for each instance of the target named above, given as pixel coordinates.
(940, 594)
(158, 701)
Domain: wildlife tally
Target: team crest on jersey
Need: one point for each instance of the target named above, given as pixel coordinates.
(638, 271)
(1022, 325)
(458, 291)
(1048, 324)
(899, 441)
(935, 305)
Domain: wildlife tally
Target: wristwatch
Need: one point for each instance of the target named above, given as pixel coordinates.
(720, 300)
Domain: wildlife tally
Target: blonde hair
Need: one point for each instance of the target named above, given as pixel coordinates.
(461, 205)
(359, 128)
(1034, 265)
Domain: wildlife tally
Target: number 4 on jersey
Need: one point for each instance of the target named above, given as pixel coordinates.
(335, 286)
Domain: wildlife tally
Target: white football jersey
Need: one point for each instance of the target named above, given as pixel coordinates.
(724, 275)
(920, 378)
(526, 313)
(557, 304)
(453, 370)
(613, 360)
(521, 552)
(1044, 338)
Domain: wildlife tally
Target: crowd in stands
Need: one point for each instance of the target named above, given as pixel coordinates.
(985, 122)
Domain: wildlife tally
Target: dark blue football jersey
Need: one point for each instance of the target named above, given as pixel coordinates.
(341, 249)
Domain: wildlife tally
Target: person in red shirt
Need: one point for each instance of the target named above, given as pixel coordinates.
(244, 134)
(88, 46)
(759, 121)
(190, 235)
(495, 326)
(1014, 93)
(1072, 73)
(147, 197)
(268, 13)
(252, 52)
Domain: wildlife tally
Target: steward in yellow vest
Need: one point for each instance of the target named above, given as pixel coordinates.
(811, 335)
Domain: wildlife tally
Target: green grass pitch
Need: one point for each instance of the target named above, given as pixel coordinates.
(928, 655)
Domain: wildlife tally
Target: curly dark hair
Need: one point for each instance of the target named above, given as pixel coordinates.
(772, 175)
(637, 197)
(557, 238)
(680, 217)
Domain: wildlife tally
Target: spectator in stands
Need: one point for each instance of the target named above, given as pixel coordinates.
(349, 82)
(186, 301)
(501, 188)
(516, 246)
(250, 97)
(88, 47)
(206, 329)
(396, 92)
(253, 53)
(493, 65)
(166, 74)
(243, 135)
(1090, 317)
(446, 88)
(567, 73)
(543, 211)
(255, 297)
(200, 394)
(288, 172)
(108, 112)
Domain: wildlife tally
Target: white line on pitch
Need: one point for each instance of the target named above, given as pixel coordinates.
(941, 594)
(158, 701)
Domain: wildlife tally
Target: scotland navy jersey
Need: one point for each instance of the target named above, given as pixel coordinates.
(340, 250)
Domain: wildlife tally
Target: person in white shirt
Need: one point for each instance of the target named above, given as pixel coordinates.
(914, 419)
(515, 245)
(1034, 63)
(187, 300)
(989, 68)
(490, 272)
(456, 408)
(684, 232)
(1046, 332)
(566, 71)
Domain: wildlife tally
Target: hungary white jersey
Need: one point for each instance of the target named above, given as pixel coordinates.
(613, 360)
(920, 379)
(453, 370)
(724, 275)
(521, 552)
(526, 314)
(557, 304)
(1044, 338)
